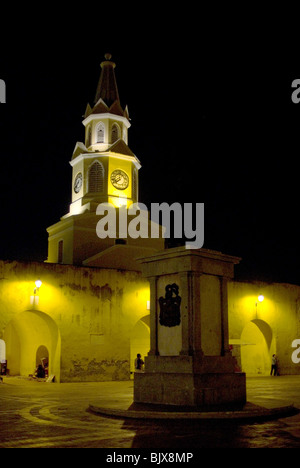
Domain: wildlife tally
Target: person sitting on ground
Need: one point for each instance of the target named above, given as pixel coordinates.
(40, 372)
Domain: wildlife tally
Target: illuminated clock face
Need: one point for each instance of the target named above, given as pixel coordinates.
(78, 182)
(119, 179)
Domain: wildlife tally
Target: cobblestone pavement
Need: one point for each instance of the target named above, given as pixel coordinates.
(39, 415)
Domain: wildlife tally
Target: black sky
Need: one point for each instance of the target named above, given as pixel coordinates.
(212, 121)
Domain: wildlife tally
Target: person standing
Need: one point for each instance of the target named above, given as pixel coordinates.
(274, 365)
(138, 363)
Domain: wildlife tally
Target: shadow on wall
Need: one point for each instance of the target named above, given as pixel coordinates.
(257, 347)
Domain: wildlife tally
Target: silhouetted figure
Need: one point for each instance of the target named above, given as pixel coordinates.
(138, 363)
(274, 365)
(40, 372)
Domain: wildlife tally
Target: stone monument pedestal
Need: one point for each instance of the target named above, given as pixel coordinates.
(189, 362)
(190, 381)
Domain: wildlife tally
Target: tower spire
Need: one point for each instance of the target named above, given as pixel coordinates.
(107, 88)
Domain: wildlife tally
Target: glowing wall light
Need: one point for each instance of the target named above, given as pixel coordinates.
(259, 299)
(34, 300)
(38, 284)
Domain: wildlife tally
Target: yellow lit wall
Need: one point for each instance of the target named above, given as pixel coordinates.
(257, 332)
(63, 230)
(93, 321)
(85, 317)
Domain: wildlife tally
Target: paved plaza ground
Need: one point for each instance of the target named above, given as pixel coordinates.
(48, 415)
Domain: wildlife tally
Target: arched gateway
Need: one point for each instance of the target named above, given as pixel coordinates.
(25, 335)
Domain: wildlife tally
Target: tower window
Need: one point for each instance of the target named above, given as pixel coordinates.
(96, 177)
(100, 132)
(115, 133)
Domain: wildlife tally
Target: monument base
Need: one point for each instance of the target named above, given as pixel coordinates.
(185, 381)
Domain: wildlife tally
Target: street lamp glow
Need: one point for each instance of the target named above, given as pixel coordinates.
(38, 283)
(260, 298)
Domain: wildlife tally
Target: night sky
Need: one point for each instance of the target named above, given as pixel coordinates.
(212, 121)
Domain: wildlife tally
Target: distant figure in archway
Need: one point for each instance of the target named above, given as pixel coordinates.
(40, 372)
(138, 363)
(274, 365)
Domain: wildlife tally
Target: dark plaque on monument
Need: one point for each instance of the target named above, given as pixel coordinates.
(170, 306)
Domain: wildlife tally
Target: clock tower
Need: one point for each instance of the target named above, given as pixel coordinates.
(104, 170)
(104, 167)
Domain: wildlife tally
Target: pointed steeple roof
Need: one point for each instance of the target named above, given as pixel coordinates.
(107, 94)
(107, 88)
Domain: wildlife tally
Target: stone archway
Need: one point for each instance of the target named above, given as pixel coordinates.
(140, 340)
(24, 335)
(257, 348)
